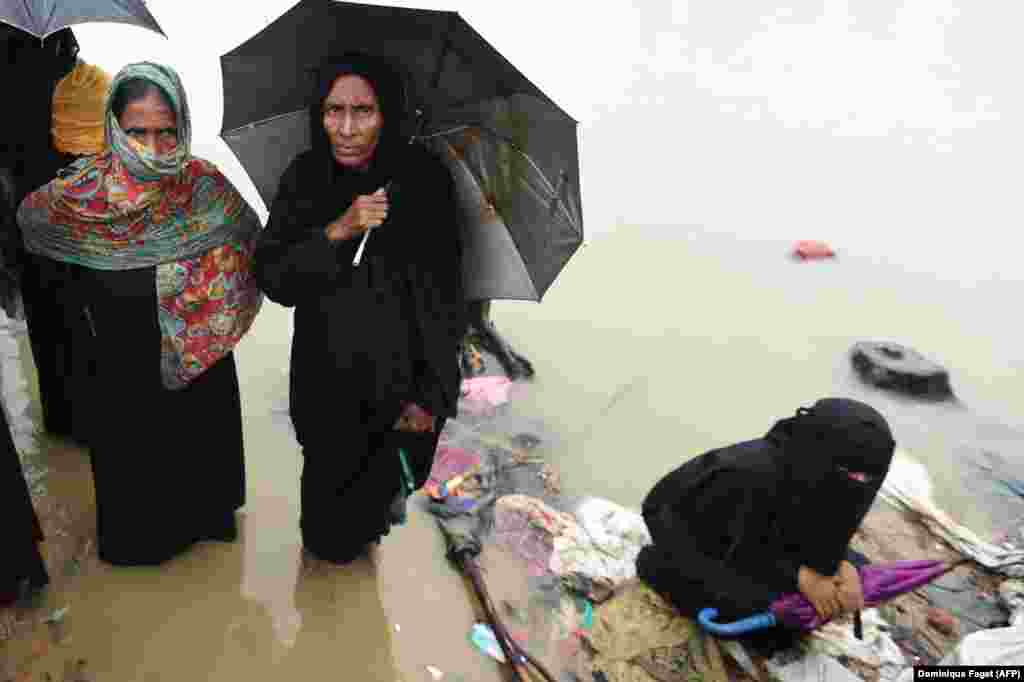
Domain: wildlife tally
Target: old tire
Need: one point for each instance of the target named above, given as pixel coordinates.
(894, 367)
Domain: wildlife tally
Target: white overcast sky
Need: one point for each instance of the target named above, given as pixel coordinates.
(888, 128)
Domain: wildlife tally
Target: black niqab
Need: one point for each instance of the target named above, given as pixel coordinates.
(822, 451)
(732, 527)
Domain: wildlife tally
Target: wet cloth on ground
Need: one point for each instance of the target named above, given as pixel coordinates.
(907, 487)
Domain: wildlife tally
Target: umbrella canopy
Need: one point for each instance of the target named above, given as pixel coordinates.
(43, 17)
(512, 151)
(879, 583)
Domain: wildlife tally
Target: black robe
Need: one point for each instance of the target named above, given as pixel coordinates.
(58, 330)
(368, 338)
(732, 527)
(168, 465)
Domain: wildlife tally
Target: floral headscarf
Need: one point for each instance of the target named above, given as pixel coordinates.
(129, 208)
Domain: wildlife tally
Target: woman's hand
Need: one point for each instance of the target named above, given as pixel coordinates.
(821, 591)
(368, 210)
(415, 419)
(848, 587)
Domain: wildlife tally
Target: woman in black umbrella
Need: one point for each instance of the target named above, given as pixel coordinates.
(374, 354)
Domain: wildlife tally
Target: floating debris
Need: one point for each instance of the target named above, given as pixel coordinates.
(56, 616)
(434, 672)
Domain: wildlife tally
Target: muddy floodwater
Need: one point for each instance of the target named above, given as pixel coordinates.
(654, 346)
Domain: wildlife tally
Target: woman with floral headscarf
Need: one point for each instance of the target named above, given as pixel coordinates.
(163, 243)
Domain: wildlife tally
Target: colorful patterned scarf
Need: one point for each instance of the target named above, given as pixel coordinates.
(128, 208)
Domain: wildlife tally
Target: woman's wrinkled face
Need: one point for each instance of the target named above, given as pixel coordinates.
(353, 121)
(151, 123)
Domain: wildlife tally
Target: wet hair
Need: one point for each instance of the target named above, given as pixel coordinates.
(133, 90)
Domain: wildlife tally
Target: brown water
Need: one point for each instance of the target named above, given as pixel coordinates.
(648, 351)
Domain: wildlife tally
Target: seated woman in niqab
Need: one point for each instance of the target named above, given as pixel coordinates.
(374, 363)
(164, 243)
(737, 526)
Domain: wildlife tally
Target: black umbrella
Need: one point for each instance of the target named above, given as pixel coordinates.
(43, 17)
(511, 149)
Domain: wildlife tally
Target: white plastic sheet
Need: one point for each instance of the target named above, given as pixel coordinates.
(877, 648)
(14, 385)
(603, 545)
(810, 667)
(998, 646)
(907, 487)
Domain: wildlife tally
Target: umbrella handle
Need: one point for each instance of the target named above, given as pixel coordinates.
(362, 245)
(759, 621)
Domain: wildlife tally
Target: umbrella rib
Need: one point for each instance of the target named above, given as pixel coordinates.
(49, 19)
(511, 143)
(256, 124)
(28, 11)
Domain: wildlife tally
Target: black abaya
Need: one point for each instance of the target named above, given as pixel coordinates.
(732, 527)
(58, 331)
(370, 338)
(168, 465)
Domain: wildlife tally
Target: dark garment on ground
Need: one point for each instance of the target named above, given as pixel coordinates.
(731, 528)
(21, 531)
(369, 338)
(168, 465)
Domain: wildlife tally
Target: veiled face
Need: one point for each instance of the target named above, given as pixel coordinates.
(150, 122)
(353, 121)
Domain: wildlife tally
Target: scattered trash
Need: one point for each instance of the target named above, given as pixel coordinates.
(907, 488)
(486, 392)
(628, 627)
(398, 628)
(1011, 594)
(586, 610)
(552, 481)
(435, 673)
(75, 670)
(72, 567)
(942, 620)
(999, 646)
(876, 651)
(812, 250)
(56, 616)
(483, 637)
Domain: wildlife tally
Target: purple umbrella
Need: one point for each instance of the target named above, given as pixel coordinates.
(879, 582)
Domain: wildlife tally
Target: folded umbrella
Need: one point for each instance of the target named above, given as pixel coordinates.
(43, 17)
(879, 583)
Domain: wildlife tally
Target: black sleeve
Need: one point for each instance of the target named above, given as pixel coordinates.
(727, 505)
(436, 267)
(294, 259)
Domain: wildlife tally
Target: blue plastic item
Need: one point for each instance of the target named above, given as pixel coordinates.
(759, 621)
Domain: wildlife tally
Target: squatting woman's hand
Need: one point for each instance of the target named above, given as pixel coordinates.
(821, 591)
